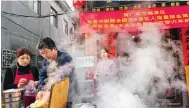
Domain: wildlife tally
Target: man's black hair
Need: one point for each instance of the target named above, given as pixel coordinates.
(46, 43)
(125, 54)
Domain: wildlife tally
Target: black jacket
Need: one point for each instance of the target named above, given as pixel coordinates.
(11, 73)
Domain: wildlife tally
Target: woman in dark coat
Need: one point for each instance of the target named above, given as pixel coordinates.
(20, 73)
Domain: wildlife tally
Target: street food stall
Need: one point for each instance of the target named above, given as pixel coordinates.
(111, 17)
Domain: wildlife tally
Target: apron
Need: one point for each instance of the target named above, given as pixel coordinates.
(27, 76)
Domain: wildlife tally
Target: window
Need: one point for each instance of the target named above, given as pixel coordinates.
(71, 30)
(35, 5)
(54, 17)
(66, 27)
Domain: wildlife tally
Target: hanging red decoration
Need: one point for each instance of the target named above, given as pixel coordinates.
(78, 3)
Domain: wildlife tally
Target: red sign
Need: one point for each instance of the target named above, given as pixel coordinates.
(172, 17)
(185, 43)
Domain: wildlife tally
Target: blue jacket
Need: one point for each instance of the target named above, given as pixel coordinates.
(62, 59)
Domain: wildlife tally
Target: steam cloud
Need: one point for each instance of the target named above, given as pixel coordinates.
(145, 79)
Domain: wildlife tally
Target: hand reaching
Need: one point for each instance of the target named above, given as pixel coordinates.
(22, 83)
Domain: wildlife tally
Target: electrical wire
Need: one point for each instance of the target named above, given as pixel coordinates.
(19, 15)
(21, 26)
(12, 14)
(4, 28)
(7, 32)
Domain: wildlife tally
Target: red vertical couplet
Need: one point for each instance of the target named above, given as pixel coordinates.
(185, 43)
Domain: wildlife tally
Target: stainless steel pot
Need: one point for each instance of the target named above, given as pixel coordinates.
(12, 105)
(11, 98)
(84, 105)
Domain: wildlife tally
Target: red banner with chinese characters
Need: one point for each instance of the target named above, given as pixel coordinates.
(172, 17)
(185, 43)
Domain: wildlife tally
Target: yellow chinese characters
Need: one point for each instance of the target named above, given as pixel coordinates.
(112, 20)
(100, 26)
(94, 21)
(94, 26)
(146, 18)
(140, 18)
(180, 21)
(172, 16)
(124, 20)
(106, 25)
(130, 19)
(186, 20)
(174, 21)
(165, 17)
(100, 21)
(178, 16)
(137, 13)
(118, 20)
(153, 18)
(127, 14)
(161, 12)
(89, 21)
(156, 12)
(159, 17)
(106, 20)
(185, 15)
(150, 13)
(167, 21)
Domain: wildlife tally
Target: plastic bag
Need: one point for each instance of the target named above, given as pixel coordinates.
(29, 94)
(30, 89)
